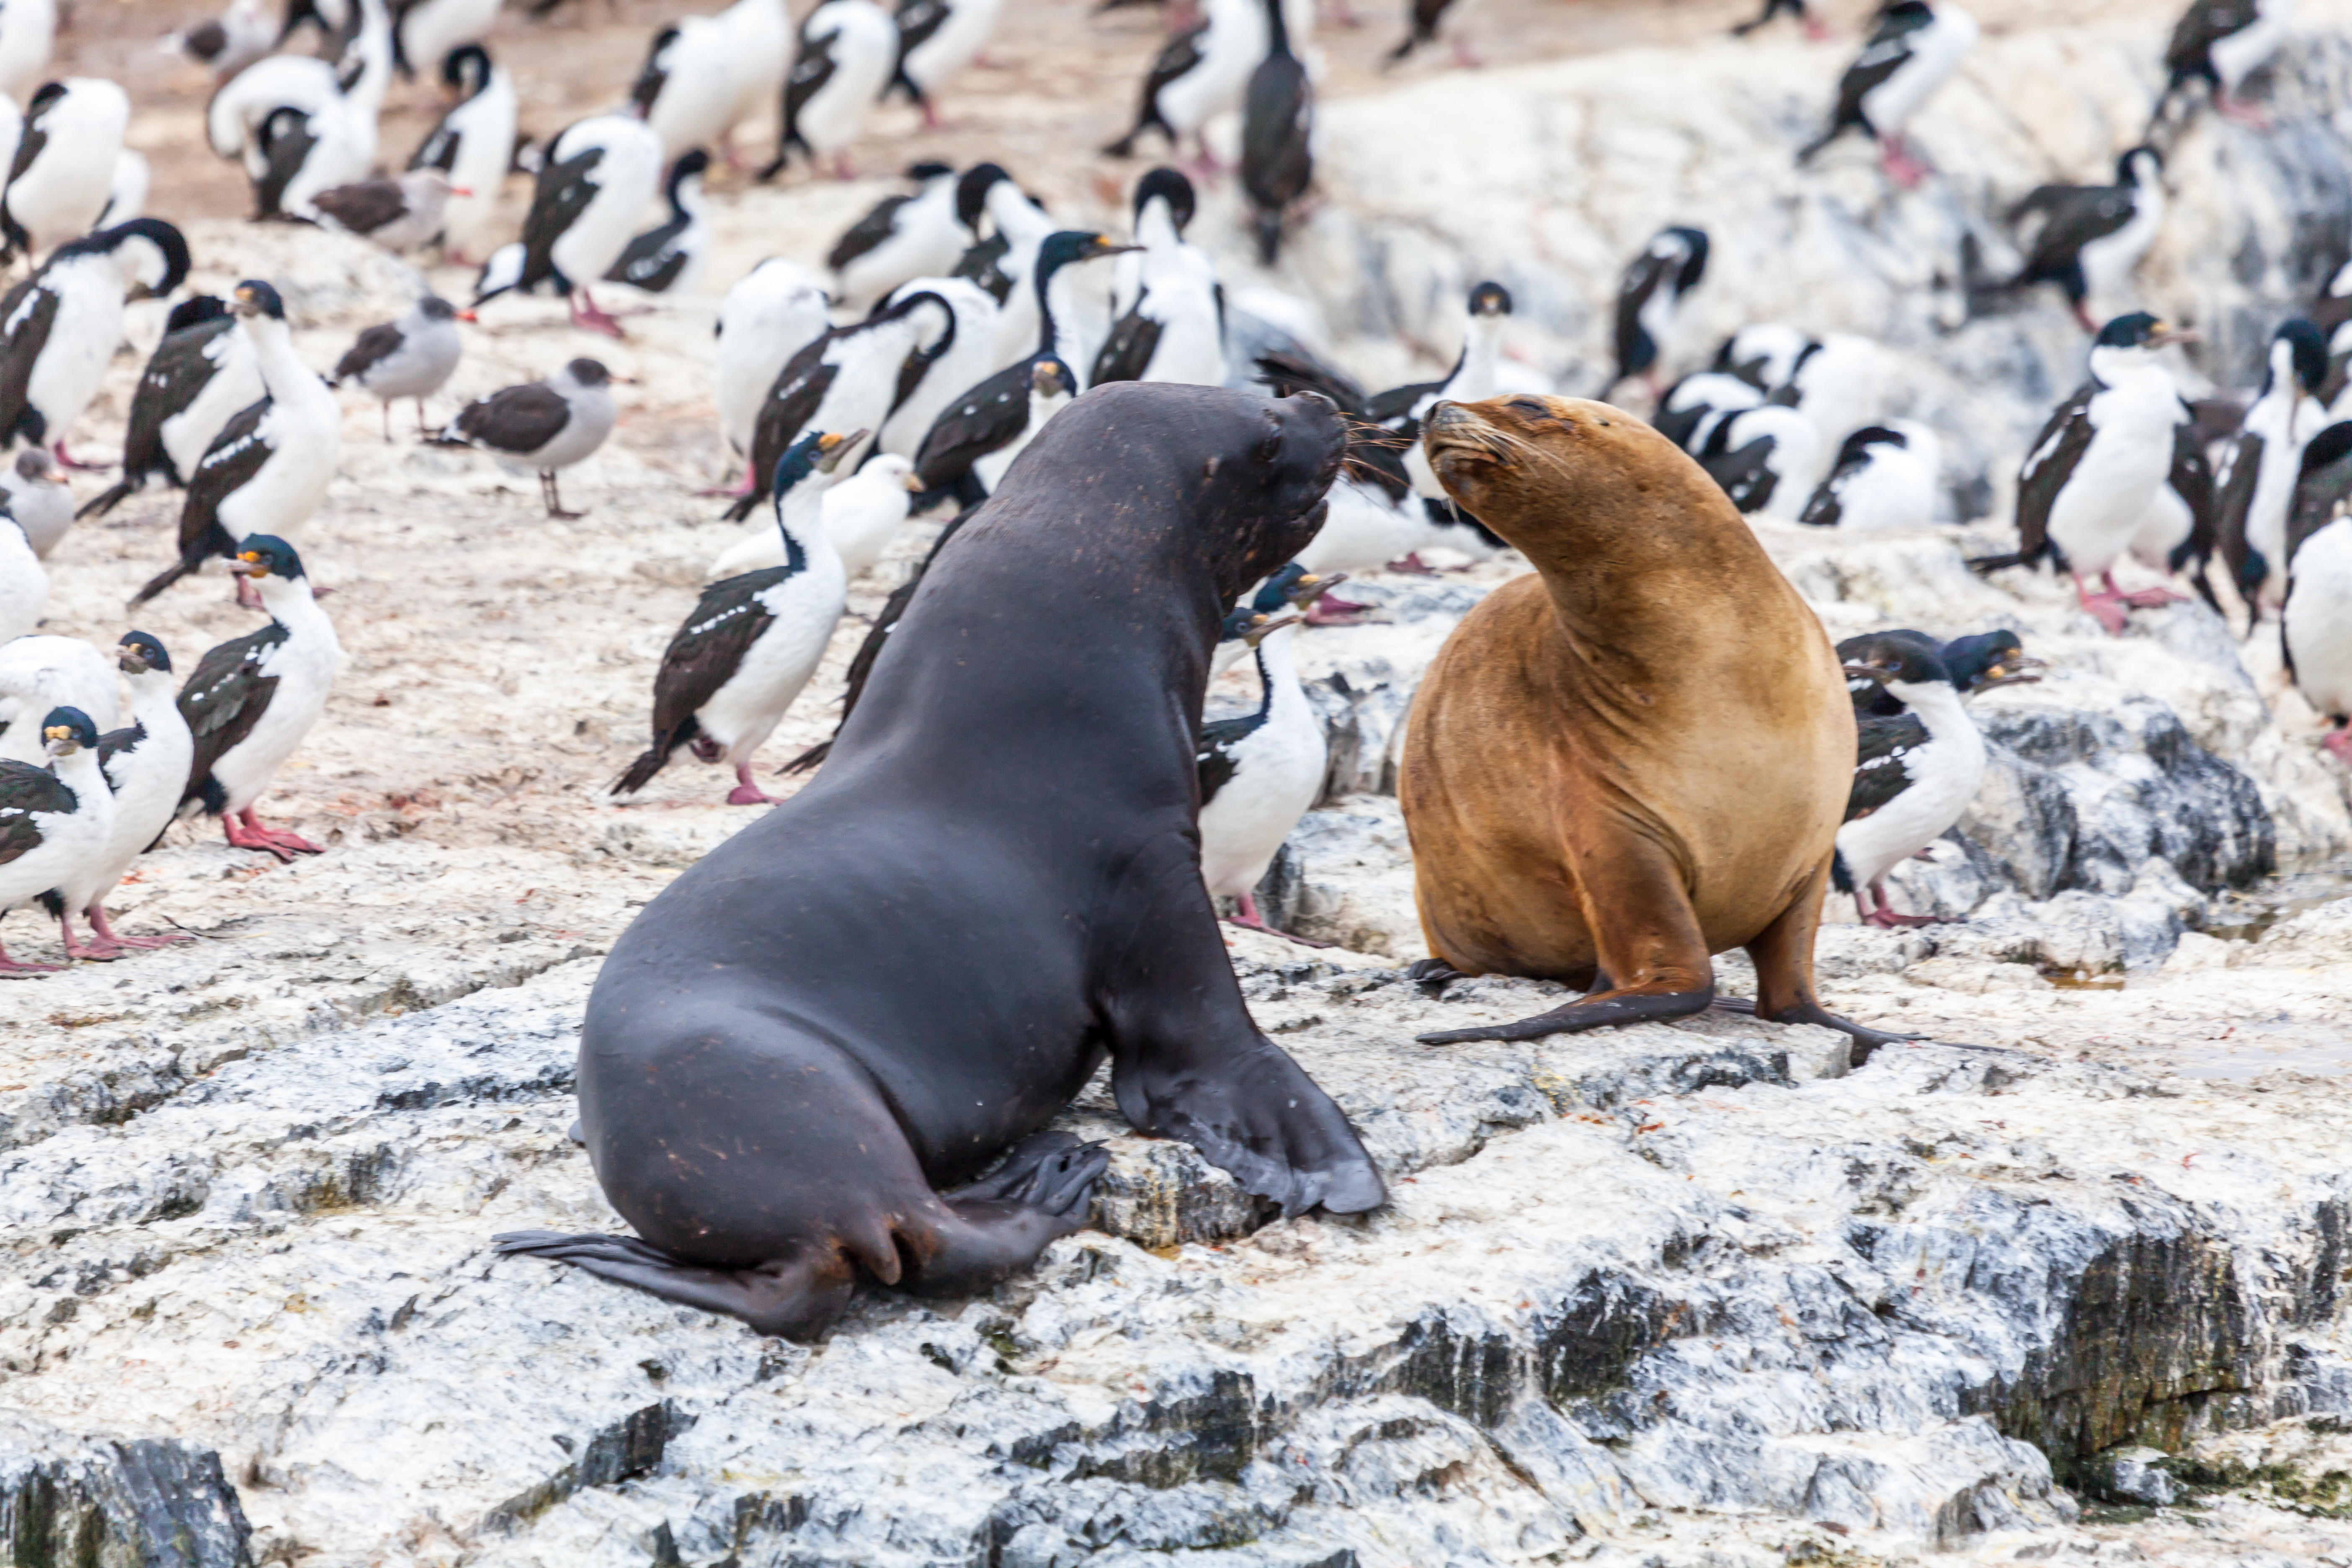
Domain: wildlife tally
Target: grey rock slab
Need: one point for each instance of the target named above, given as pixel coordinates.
(1696, 1267)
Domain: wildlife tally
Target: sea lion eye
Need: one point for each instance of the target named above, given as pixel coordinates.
(1535, 406)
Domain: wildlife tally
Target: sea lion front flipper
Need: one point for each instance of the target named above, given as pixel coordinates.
(796, 1301)
(1251, 1111)
(1188, 1063)
(1783, 955)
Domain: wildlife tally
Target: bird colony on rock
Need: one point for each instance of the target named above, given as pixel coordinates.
(968, 355)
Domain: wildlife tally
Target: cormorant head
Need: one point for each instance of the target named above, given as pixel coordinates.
(139, 652)
(254, 298)
(2304, 348)
(1490, 299)
(972, 193)
(466, 69)
(67, 730)
(267, 555)
(2140, 166)
(1169, 185)
(1903, 662)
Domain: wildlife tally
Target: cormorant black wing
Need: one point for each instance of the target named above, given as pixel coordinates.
(226, 698)
(653, 260)
(27, 332)
(810, 72)
(1127, 352)
(236, 455)
(1215, 756)
(24, 790)
(983, 264)
(980, 422)
(2053, 457)
(709, 648)
(869, 231)
(792, 402)
(1881, 769)
(563, 194)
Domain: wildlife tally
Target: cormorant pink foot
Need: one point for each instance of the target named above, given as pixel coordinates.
(1333, 611)
(2107, 609)
(98, 948)
(2339, 745)
(746, 793)
(21, 967)
(587, 316)
(1901, 167)
(2238, 113)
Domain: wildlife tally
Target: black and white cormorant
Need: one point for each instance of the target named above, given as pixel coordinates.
(202, 372)
(937, 39)
(1978, 662)
(1915, 773)
(1198, 74)
(1277, 136)
(2254, 479)
(2222, 43)
(54, 823)
(2093, 473)
(2316, 622)
(59, 328)
(63, 171)
(901, 238)
(2087, 238)
(771, 314)
(146, 765)
(1260, 772)
(849, 379)
(848, 49)
(268, 468)
(751, 642)
(995, 414)
(667, 258)
(1913, 50)
(1884, 476)
(1169, 309)
(598, 178)
(1649, 297)
(253, 699)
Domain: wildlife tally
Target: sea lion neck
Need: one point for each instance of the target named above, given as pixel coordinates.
(1623, 527)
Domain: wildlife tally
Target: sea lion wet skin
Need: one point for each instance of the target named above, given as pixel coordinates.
(1633, 759)
(914, 963)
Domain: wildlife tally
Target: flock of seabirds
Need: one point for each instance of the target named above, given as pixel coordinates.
(953, 323)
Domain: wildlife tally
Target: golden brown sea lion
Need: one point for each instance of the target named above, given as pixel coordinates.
(1637, 757)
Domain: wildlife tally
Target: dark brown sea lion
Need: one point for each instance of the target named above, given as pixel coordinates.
(801, 1047)
(1633, 759)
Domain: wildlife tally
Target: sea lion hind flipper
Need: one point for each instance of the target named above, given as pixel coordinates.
(1254, 1114)
(1599, 1011)
(996, 1226)
(1865, 1038)
(1022, 1171)
(798, 1299)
